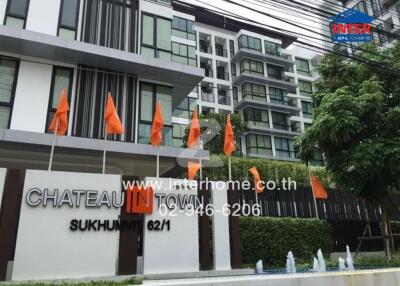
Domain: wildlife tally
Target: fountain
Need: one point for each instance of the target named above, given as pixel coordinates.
(321, 261)
(259, 267)
(349, 259)
(342, 265)
(315, 265)
(290, 263)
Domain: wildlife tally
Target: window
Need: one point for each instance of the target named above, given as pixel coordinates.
(284, 148)
(258, 117)
(275, 72)
(308, 109)
(305, 88)
(184, 54)
(232, 48)
(375, 4)
(254, 91)
(235, 95)
(303, 67)
(62, 78)
(178, 132)
(149, 95)
(207, 110)
(258, 144)
(183, 28)
(68, 20)
(278, 95)
(273, 48)
(109, 24)
(8, 79)
(185, 108)
(16, 13)
(250, 43)
(280, 121)
(156, 37)
(252, 67)
(362, 7)
(233, 69)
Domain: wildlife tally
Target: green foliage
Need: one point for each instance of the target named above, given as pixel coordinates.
(213, 131)
(270, 239)
(357, 122)
(377, 261)
(269, 170)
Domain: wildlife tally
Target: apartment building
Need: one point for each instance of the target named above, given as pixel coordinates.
(386, 22)
(142, 52)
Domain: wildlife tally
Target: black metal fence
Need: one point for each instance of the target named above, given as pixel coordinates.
(344, 211)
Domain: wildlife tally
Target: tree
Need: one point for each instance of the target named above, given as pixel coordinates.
(357, 125)
(213, 131)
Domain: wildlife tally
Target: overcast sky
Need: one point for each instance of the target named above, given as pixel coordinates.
(297, 17)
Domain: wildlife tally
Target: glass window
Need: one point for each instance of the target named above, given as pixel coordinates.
(250, 66)
(149, 95)
(256, 116)
(185, 108)
(275, 72)
(232, 48)
(303, 67)
(278, 95)
(258, 144)
(207, 110)
(8, 75)
(178, 132)
(308, 109)
(68, 22)
(254, 91)
(273, 48)
(156, 37)
(184, 54)
(250, 43)
(183, 28)
(62, 78)
(280, 121)
(284, 148)
(305, 88)
(362, 7)
(16, 13)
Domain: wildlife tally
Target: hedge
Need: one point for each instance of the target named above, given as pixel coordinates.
(270, 170)
(270, 239)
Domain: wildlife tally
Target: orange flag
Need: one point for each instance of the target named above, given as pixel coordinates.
(193, 168)
(156, 136)
(229, 142)
(61, 115)
(194, 133)
(114, 125)
(257, 179)
(317, 188)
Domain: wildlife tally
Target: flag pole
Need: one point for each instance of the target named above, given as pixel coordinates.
(229, 169)
(104, 150)
(53, 145)
(312, 190)
(200, 161)
(158, 162)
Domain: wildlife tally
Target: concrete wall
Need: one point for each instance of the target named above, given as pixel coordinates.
(31, 97)
(3, 5)
(43, 16)
(46, 248)
(3, 172)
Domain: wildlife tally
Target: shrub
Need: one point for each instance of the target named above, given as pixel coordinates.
(270, 239)
(269, 170)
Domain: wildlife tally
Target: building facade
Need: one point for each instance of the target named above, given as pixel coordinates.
(143, 52)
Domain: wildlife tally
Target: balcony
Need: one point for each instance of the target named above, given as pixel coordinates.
(264, 129)
(207, 96)
(221, 52)
(260, 101)
(285, 82)
(224, 100)
(209, 73)
(205, 44)
(283, 60)
(223, 76)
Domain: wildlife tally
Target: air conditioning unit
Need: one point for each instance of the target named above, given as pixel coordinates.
(208, 38)
(209, 63)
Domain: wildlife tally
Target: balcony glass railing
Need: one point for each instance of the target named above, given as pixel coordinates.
(208, 72)
(255, 97)
(205, 47)
(221, 52)
(223, 75)
(262, 124)
(224, 100)
(207, 96)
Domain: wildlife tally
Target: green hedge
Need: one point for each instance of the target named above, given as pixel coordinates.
(270, 170)
(270, 239)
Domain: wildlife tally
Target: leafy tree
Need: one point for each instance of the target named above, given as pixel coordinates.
(213, 131)
(357, 124)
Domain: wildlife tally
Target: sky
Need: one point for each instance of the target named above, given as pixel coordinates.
(296, 17)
